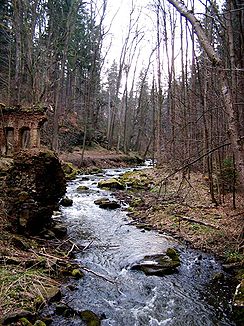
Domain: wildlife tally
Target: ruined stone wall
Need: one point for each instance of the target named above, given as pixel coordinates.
(20, 128)
(32, 184)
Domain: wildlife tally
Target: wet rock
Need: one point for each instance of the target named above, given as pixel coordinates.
(82, 188)
(66, 202)
(238, 303)
(173, 254)
(59, 230)
(111, 184)
(64, 310)
(51, 294)
(90, 318)
(15, 316)
(95, 170)
(76, 273)
(159, 264)
(136, 180)
(107, 203)
(25, 322)
(70, 170)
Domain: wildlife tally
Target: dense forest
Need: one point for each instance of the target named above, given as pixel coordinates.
(53, 54)
(121, 162)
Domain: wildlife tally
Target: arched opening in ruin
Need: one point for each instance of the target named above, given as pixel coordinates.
(25, 139)
(9, 137)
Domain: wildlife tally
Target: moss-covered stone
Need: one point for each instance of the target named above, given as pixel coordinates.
(77, 273)
(158, 264)
(70, 170)
(111, 184)
(107, 203)
(173, 254)
(25, 322)
(90, 318)
(136, 180)
(95, 170)
(82, 188)
(13, 317)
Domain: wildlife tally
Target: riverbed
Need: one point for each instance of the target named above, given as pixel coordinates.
(125, 297)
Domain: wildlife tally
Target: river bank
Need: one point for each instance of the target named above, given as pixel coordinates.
(182, 207)
(148, 211)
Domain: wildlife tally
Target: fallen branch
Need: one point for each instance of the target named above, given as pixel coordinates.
(48, 256)
(88, 245)
(97, 274)
(189, 219)
(70, 251)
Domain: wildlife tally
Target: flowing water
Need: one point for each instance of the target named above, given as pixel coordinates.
(125, 297)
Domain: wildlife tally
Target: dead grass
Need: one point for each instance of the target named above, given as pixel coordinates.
(29, 269)
(188, 196)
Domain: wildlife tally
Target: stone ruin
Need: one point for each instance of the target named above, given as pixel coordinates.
(32, 180)
(20, 128)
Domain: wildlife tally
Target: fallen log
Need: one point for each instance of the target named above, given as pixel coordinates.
(189, 219)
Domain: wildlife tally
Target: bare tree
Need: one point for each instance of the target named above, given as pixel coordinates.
(234, 132)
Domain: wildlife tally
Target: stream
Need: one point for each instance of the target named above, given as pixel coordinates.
(112, 245)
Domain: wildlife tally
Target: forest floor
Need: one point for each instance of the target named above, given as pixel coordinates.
(181, 206)
(99, 157)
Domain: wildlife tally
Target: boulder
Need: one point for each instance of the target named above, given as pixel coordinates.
(13, 317)
(107, 203)
(159, 264)
(82, 188)
(66, 202)
(111, 184)
(70, 170)
(48, 294)
(136, 180)
(90, 318)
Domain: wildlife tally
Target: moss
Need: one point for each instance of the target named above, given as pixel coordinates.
(70, 170)
(82, 188)
(173, 254)
(234, 257)
(90, 317)
(111, 184)
(76, 273)
(25, 322)
(136, 180)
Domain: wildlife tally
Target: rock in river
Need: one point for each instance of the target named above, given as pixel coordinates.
(111, 184)
(158, 264)
(107, 203)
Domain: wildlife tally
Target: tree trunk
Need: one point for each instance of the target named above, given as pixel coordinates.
(236, 143)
